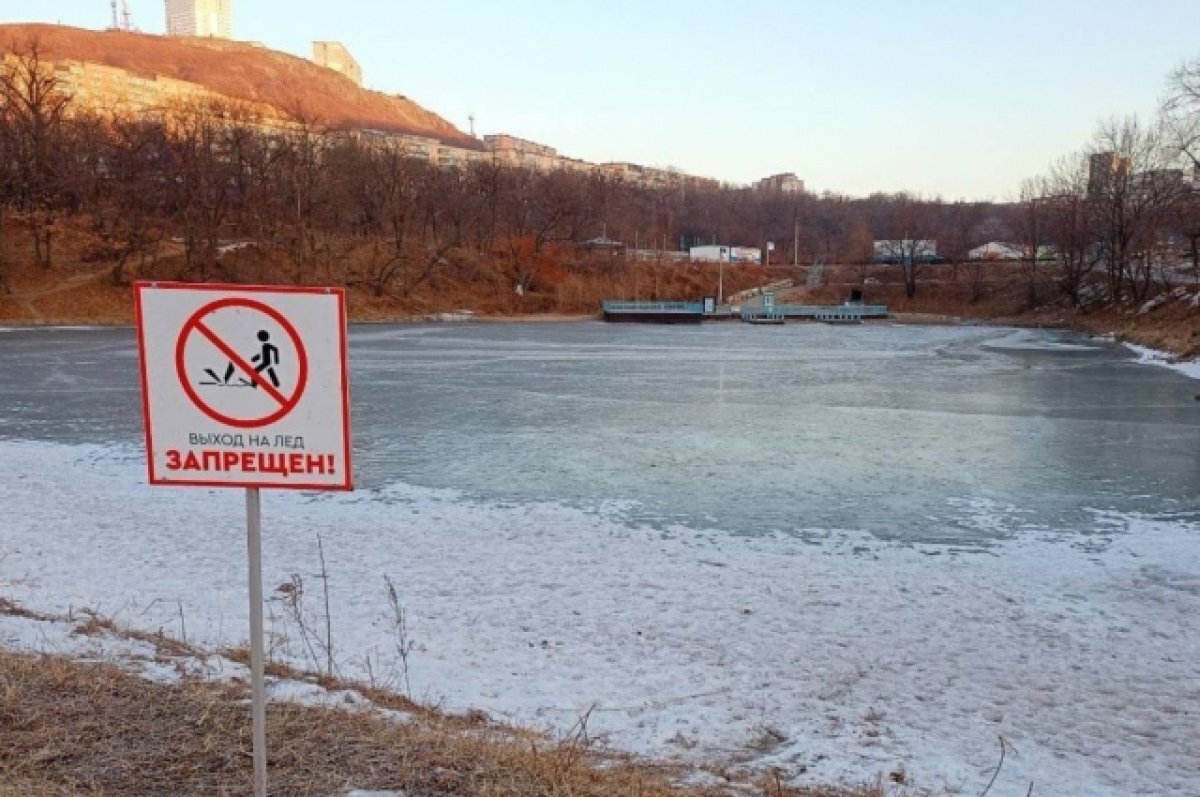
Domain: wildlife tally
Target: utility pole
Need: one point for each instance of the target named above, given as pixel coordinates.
(796, 238)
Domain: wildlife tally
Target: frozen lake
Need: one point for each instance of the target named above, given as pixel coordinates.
(833, 550)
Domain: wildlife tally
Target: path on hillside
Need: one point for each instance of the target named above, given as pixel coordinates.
(26, 298)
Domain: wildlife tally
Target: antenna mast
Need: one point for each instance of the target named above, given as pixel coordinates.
(115, 24)
(126, 16)
(472, 118)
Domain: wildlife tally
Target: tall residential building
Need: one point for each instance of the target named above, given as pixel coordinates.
(210, 18)
(335, 56)
(1106, 171)
(787, 183)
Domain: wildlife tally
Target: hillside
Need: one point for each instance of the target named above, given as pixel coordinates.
(240, 71)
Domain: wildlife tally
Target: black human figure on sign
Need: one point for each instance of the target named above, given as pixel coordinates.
(267, 359)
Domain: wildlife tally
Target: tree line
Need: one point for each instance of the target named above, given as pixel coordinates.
(205, 174)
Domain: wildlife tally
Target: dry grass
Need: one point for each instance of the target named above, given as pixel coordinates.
(72, 728)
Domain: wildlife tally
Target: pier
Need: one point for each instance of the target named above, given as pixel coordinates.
(654, 312)
(697, 312)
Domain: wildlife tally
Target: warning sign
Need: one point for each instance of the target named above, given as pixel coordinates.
(244, 387)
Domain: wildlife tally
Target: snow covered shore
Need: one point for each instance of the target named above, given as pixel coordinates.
(833, 659)
(1149, 356)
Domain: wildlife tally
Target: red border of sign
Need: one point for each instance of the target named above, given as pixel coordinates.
(193, 324)
(338, 293)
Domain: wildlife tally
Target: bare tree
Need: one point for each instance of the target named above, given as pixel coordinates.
(34, 106)
(1068, 226)
(1181, 110)
(1031, 221)
(910, 222)
(1134, 186)
(1181, 114)
(957, 237)
(134, 169)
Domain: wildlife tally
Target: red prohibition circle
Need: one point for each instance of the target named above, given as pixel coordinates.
(193, 324)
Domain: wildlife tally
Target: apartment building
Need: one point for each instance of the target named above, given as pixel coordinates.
(96, 87)
(650, 176)
(521, 153)
(207, 18)
(105, 89)
(786, 183)
(335, 56)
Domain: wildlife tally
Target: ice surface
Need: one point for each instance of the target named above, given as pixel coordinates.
(831, 654)
(1035, 340)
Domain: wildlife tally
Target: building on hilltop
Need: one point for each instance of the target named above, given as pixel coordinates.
(335, 56)
(100, 88)
(786, 183)
(905, 251)
(520, 153)
(1159, 183)
(207, 18)
(506, 143)
(726, 254)
(998, 250)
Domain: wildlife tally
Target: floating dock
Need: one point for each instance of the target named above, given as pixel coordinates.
(696, 312)
(763, 318)
(654, 312)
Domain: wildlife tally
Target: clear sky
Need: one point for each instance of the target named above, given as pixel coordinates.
(961, 98)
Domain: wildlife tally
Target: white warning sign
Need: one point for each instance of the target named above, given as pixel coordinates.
(244, 387)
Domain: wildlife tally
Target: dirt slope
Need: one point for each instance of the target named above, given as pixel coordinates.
(243, 72)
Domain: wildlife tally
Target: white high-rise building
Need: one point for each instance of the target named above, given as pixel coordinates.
(213, 18)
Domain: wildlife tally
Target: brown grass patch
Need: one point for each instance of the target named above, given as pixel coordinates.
(72, 728)
(77, 291)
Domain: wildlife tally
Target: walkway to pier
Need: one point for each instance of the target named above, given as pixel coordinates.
(694, 312)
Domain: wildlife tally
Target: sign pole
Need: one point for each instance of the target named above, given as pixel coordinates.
(258, 707)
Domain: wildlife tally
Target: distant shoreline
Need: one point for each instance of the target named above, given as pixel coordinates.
(431, 318)
(1157, 340)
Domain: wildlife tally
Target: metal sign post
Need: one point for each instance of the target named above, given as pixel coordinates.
(258, 690)
(245, 387)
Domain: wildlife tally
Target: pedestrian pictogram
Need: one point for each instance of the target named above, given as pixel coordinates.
(228, 345)
(267, 359)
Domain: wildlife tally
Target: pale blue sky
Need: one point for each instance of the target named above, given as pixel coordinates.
(961, 98)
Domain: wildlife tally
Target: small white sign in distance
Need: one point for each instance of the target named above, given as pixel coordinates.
(244, 386)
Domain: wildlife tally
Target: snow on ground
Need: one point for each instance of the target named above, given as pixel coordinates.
(69, 636)
(835, 656)
(1148, 356)
(61, 636)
